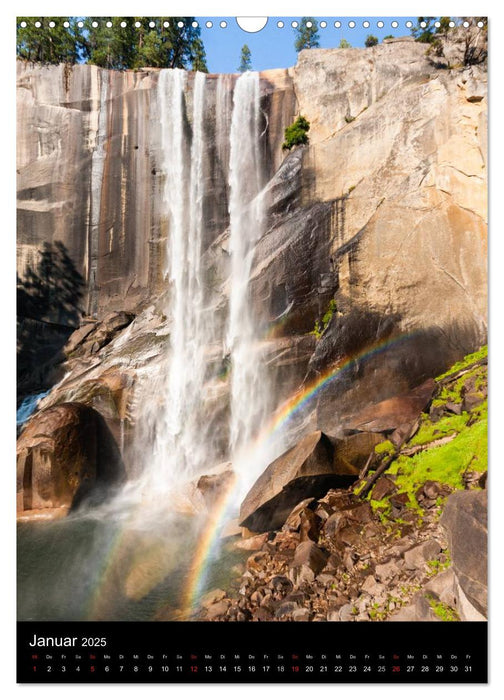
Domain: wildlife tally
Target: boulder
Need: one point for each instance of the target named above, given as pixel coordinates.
(306, 470)
(334, 522)
(465, 521)
(309, 560)
(78, 337)
(372, 587)
(293, 521)
(443, 586)
(417, 557)
(214, 485)
(249, 544)
(212, 597)
(301, 615)
(384, 487)
(352, 452)
(387, 570)
(217, 609)
(65, 455)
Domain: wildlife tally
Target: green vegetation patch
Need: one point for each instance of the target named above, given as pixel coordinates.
(382, 508)
(436, 566)
(454, 391)
(428, 431)
(445, 463)
(385, 448)
(296, 134)
(320, 326)
(442, 611)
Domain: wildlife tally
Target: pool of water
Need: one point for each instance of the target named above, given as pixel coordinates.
(28, 406)
(90, 568)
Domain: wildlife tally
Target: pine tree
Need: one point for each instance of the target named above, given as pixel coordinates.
(165, 44)
(111, 46)
(245, 60)
(424, 34)
(199, 59)
(46, 44)
(307, 36)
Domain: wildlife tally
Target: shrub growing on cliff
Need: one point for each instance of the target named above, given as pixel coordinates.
(370, 41)
(296, 134)
(320, 326)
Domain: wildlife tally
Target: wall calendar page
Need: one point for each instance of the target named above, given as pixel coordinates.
(251, 349)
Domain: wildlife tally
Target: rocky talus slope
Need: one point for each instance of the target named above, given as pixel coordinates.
(408, 539)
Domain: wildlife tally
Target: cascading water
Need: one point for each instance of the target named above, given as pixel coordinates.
(97, 169)
(249, 393)
(178, 449)
(179, 422)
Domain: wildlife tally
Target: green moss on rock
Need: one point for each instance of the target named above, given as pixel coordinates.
(466, 362)
(445, 463)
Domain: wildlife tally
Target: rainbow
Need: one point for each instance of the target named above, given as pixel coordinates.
(281, 417)
(206, 548)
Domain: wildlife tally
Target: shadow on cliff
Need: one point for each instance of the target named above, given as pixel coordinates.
(48, 311)
(380, 360)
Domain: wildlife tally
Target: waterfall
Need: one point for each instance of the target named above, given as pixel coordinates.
(246, 209)
(223, 106)
(179, 394)
(178, 449)
(97, 168)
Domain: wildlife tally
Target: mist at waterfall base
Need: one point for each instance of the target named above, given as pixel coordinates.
(153, 550)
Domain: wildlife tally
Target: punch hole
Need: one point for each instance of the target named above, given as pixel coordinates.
(252, 24)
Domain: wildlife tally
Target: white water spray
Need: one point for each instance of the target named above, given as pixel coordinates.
(249, 391)
(178, 451)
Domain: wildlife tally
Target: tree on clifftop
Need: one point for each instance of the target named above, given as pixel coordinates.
(307, 36)
(245, 60)
(112, 42)
(199, 59)
(163, 42)
(47, 43)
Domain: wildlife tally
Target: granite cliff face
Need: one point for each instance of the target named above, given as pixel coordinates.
(384, 212)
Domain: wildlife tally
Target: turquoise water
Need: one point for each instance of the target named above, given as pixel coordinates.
(27, 407)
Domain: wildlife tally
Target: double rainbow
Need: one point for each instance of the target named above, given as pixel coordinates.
(290, 408)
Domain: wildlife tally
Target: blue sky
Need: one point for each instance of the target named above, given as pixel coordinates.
(274, 48)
